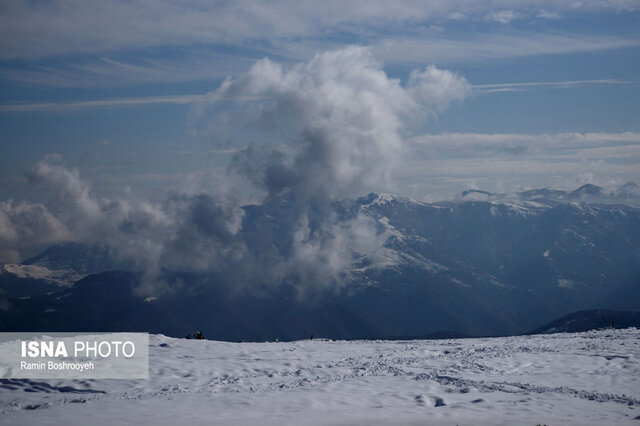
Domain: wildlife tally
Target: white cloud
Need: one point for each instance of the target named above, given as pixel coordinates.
(100, 103)
(502, 16)
(24, 225)
(193, 231)
(96, 44)
(417, 50)
(75, 204)
(448, 88)
(437, 88)
(512, 87)
(547, 14)
(36, 29)
(143, 67)
(571, 140)
(339, 113)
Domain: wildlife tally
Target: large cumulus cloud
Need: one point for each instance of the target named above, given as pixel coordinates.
(338, 120)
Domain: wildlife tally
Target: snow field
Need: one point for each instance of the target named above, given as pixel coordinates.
(582, 378)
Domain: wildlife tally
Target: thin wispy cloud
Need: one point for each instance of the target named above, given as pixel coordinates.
(475, 142)
(143, 67)
(124, 44)
(513, 87)
(486, 47)
(134, 102)
(102, 103)
(395, 48)
(110, 26)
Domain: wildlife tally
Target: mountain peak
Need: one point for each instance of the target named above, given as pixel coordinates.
(588, 189)
(474, 195)
(376, 199)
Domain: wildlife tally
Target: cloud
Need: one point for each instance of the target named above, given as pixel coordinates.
(91, 44)
(410, 50)
(186, 232)
(557, 143)
(191, 231)
(37, 29)
(205, 235)
(323, 256)
(399, 47)
(186, 63)
(72, 199)
(61, 107)
(99, 221)
(437, 88)
(502, 16)
(26, 225)
(452, 94)
(514, 87)
(546, 14)
(339, 115)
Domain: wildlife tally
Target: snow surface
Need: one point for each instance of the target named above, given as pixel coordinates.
(523, 208)
(583, 378)
(59, 277)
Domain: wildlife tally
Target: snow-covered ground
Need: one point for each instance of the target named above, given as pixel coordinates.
(583, 378)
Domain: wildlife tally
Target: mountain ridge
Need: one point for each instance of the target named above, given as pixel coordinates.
(491, 267)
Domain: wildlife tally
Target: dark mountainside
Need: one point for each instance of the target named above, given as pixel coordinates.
(591, 320)
(484, 264)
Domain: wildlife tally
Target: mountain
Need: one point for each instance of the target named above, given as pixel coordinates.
(76, 258)
(108, 302)
(628, 194)
(18, 285)
(591, 320)
(495, 264)
(58, 266)
(586, 190)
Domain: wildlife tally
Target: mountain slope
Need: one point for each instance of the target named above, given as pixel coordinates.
(503, 265)
(591, 320)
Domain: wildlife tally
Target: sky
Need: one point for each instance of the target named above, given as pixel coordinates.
(111, 87)
(417, 98)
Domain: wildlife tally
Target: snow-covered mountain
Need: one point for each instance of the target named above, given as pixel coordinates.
(629, 194)
(57, 267)
(482, 264)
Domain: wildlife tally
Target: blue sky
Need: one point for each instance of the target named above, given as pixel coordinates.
(111, 87)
